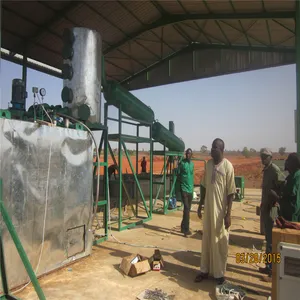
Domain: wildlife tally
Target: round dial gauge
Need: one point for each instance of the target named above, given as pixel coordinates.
(43, 92)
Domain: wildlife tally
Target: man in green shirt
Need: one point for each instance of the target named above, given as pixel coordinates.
(186, 178)
(290, 200)
(271, 180)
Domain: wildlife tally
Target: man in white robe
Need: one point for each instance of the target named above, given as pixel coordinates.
(219, 187)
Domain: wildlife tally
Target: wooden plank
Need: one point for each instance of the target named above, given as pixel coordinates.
(291, 236)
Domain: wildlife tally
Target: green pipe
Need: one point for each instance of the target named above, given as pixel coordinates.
(120, 167)
(151, 172)
(19, 247)
(135, 178)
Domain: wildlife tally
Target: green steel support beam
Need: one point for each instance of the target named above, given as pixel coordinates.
(151, 171)
(137, 169)
(194, 22)
(165, 178)
(168, 19)
(143, 24)
(120, 29)
(298, 74)
(136, 179)
(249, 36)
(176, 27)
(240, 23)
(120, 164)
(198, 47)
(45, 27)
(13, 233)
(78, 25)
(284, 26)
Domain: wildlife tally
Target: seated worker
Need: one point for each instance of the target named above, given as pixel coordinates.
(144, 165)
(112, 171)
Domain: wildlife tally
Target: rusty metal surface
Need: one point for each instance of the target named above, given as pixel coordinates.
(47, 175)
(86, 79)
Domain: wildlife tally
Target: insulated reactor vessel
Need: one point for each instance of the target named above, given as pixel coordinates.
(82, 54)
(115, 95)
(164, 136)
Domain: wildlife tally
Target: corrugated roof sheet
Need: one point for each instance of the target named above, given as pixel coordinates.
(138, 34)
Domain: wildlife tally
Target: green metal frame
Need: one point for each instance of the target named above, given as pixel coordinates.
(173, 179)
(103, 203)
(122, 139)
(13, 233)
(167, 170)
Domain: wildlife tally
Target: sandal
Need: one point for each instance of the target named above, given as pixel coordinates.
(201, 276)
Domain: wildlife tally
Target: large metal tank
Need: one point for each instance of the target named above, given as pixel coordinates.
(115, 95)
(82, 55)
(167, 138)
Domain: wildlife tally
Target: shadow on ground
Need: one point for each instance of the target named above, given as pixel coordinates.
(184, 276)
(174, 231)
(244, 242)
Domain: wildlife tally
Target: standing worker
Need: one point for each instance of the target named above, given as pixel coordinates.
(289, 201)
(219, 191)
(186, 178)
(271, 180)
(144, 165)
(112, 171)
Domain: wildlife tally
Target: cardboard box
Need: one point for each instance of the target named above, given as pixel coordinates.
(135, 265)
(291, 236)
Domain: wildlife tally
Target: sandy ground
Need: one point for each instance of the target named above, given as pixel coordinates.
(98, 276)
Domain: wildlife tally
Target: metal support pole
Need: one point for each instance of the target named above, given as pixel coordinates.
(120, 167)
(165, 178)
(297, 22)
(24, 71)
(105, 175)
(151, 171)
(137, 169)
(136, 178)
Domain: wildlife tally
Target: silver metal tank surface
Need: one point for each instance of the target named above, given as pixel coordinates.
(85, 83)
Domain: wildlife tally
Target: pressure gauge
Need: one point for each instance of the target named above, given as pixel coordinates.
(43, 92)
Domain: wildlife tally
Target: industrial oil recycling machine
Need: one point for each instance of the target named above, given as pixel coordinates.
(54, 197)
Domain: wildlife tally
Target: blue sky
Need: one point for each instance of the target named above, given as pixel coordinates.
(253, 109)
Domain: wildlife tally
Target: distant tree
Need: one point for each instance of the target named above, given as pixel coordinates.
(246, 152)
(252, 150)
(203, 149)
(282, 150)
